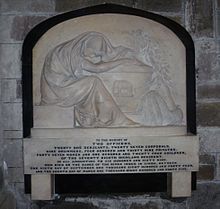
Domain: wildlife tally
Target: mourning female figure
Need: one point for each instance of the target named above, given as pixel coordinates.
(65, 83)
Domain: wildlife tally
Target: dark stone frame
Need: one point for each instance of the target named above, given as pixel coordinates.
(141, 182)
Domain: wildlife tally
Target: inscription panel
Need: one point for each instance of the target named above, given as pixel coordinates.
(101, 155)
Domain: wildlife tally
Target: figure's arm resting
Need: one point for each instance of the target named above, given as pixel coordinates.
(102, 66)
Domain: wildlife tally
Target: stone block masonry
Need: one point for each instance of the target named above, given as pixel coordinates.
(200, 17)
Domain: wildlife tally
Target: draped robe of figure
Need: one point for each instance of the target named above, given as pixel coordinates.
(64, 84)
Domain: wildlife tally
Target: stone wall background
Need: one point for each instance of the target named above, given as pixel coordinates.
(200, 17)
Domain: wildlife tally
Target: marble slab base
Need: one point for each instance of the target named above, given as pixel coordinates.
(181, 184)
(42, 187)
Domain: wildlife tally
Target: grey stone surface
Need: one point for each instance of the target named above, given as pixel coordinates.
(218, 23)
(208, 114)
(199, 17)
(12, 90)
(19, 187)
(12, 116)
(1, 136)
(10, 60)
(207, 159)
(13, 153)
(181, 205)
(23, 24)
(41, 6)
(15, 175)
(12, 134)
(207, 60)
(218, 4)
(10, 6)
(176, 18)
(115, 202)
(151, 204)
(23, 201)
(218, 167)
(1, 178)
(207, 196)
(160, 6)
(209, 91)
(18, 89)
(207, 168)
(209, 139)
(206, 172)
(7, 200)
(66, 5)
(5, 27)
(71, 206)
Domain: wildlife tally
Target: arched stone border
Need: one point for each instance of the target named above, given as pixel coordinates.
(138, 182)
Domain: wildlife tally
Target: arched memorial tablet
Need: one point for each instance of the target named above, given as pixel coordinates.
(112, 93)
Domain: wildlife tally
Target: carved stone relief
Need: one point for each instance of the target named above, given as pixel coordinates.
(109, 83)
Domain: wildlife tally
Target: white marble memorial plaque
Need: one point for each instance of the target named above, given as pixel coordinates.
(109, 97)
(90, 154)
